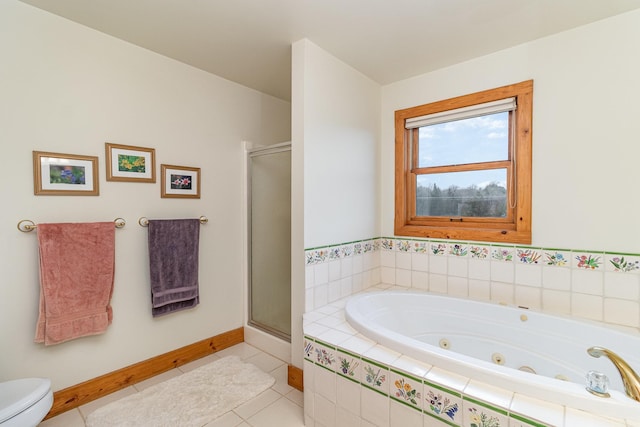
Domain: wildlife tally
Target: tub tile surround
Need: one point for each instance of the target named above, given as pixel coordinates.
(351, 380)
(359, 382)
(588, 284)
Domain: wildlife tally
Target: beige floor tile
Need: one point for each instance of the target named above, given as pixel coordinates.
(296, 396)
(281, 376)
(265, 361)
(257, 404)
(282, 413)
(280, 406)
(242, 350)
(71, 418)
(230, 419)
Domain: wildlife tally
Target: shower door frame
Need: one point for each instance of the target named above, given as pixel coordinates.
(260, 151)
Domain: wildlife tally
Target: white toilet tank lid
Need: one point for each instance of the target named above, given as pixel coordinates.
(18, 395)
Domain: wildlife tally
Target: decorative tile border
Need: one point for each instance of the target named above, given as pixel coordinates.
(322, 254)
(309, 349)
(552, 257)
(438, 248)
(481, 414)
(528, 255)
(480, 251)
(557, 257)
(403, 245)
(587, 260)
(442, 403)
(435, 400)
(458, 249)
(375, 376)
(349, 365)
(502, 253)
(406, 389)
(420, 247)
(624, 263)
(495, 270)
(325, 355)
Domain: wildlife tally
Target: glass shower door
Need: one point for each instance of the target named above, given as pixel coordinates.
(270, 240)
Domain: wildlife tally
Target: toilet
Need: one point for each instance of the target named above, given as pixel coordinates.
(25, 402)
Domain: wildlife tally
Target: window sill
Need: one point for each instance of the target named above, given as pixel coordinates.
(460, 233)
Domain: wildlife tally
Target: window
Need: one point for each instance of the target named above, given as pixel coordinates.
(463, 167)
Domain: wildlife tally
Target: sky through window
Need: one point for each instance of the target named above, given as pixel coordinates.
(473, 140)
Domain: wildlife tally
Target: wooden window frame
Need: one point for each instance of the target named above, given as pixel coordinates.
(516, 227)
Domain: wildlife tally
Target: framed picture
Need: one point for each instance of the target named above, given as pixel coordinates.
(128, 163)
(59, 174)
(180, 182)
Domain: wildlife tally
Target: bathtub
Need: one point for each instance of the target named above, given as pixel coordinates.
(517, 349)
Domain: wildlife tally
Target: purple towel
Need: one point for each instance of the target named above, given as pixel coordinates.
(173, 262)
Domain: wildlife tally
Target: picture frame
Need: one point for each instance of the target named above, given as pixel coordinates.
(130, 163)
(180, 182)
(57, 174)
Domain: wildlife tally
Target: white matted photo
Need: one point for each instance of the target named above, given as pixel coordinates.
(180, 182)
(58, 174)
(130, 163)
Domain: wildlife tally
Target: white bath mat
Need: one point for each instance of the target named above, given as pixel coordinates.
(191, 399)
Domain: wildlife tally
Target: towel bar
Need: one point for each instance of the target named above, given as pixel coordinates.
(27, 225)
(144, 222)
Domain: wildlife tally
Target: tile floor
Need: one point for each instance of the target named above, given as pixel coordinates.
(279, 406)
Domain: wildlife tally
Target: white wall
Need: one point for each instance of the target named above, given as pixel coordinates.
(585, 116)
(341, 127)
(335, 143)
(69, 89)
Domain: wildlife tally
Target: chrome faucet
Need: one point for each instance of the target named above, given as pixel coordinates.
(630, 379)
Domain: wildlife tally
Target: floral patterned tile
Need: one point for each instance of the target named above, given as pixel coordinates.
(368, 246)
(442, 403)
(316, 256)
(403, 245)
(480, 414)
(528, 255)
(349, 365)
(502, 253)
(437, 248)
(625, 263)
(334, 252)
(420, 247)
(346, 251)
(375, 376)
(387, 244)
(325, 355)
(587, 260)
(479, 251)
(358, 248)
(458, 249)
(309, 349)
(406, 389)
(557, 257)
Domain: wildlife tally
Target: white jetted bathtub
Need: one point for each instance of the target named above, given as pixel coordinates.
(520, 350)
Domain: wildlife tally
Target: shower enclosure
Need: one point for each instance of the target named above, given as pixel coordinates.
(269, 232)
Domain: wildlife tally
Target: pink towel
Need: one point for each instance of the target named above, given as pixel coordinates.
(76, 280)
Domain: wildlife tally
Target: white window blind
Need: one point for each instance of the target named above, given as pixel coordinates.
(493, 107)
